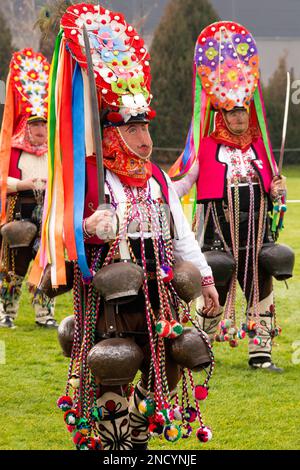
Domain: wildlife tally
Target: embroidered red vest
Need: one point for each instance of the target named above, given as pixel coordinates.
(211, 184)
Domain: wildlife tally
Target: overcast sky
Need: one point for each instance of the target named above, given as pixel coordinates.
(262, 17)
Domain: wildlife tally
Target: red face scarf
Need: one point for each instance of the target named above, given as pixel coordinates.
(118, 158)
(222, 134)
(21, 140)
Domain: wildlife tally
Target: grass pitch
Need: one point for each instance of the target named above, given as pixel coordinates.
(245, 409)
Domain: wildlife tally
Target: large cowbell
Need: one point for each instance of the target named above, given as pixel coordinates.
(189, 350)
(277, 260)
(119, 282)
(187, 281)
(115, 361)
(222, 265)
(19, 233)
(46, 285)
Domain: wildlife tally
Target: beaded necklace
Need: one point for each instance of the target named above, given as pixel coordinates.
(81, 412)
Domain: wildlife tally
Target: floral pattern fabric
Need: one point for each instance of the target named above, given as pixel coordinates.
(239, 163)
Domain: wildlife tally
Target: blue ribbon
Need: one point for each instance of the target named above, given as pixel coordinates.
(187, 150)
(79, 168)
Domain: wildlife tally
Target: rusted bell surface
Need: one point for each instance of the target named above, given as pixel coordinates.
(222, 265)
(277, 260)
(66, 335)
(187, 281)
(46, 286)
(190, 350)
(119, 282)
(19, 233)
(115, 361)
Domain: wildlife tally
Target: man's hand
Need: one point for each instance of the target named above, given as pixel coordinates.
(26, 185)
(278, 187)
(211, 301)
(100, 224)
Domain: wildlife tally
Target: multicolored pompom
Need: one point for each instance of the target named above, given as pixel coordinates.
(204, 434)
(96, 414)
(172, 432)
(147, 407)
(178, 413)
(164, 416)
(94, 444)
(167, 273)
(225, 324)
(83, 426)
(65, 403)
(257, 341)
(241, 334)
(176, 329)
(200, 392)
(189, 431)
(70, 417)
(163, 328)
(251, 325)
(156, 429)
(189, 414)
(219, 338)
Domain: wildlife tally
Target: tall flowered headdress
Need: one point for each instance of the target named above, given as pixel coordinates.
(122, 74)
(120, 58)
(26, 100)
(226, 75)
(30, 75)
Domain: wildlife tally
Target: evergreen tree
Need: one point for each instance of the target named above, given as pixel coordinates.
(274, 97)
(6, 47)
(172, 54)
(6, 50)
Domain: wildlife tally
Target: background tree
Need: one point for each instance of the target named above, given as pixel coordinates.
(274, 96)
(48, 22)
(21, 15)
(6, 50)
(172, 54)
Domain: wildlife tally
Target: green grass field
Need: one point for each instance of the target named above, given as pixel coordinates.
(245, 409)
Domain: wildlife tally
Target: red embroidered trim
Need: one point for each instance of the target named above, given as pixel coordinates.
(207, 281)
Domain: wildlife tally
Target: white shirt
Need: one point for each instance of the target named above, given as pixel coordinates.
(31, 166)
(238, 162)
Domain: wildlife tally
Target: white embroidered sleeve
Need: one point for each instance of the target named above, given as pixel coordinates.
(12, 184)
(184, 185)
(185, 245)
